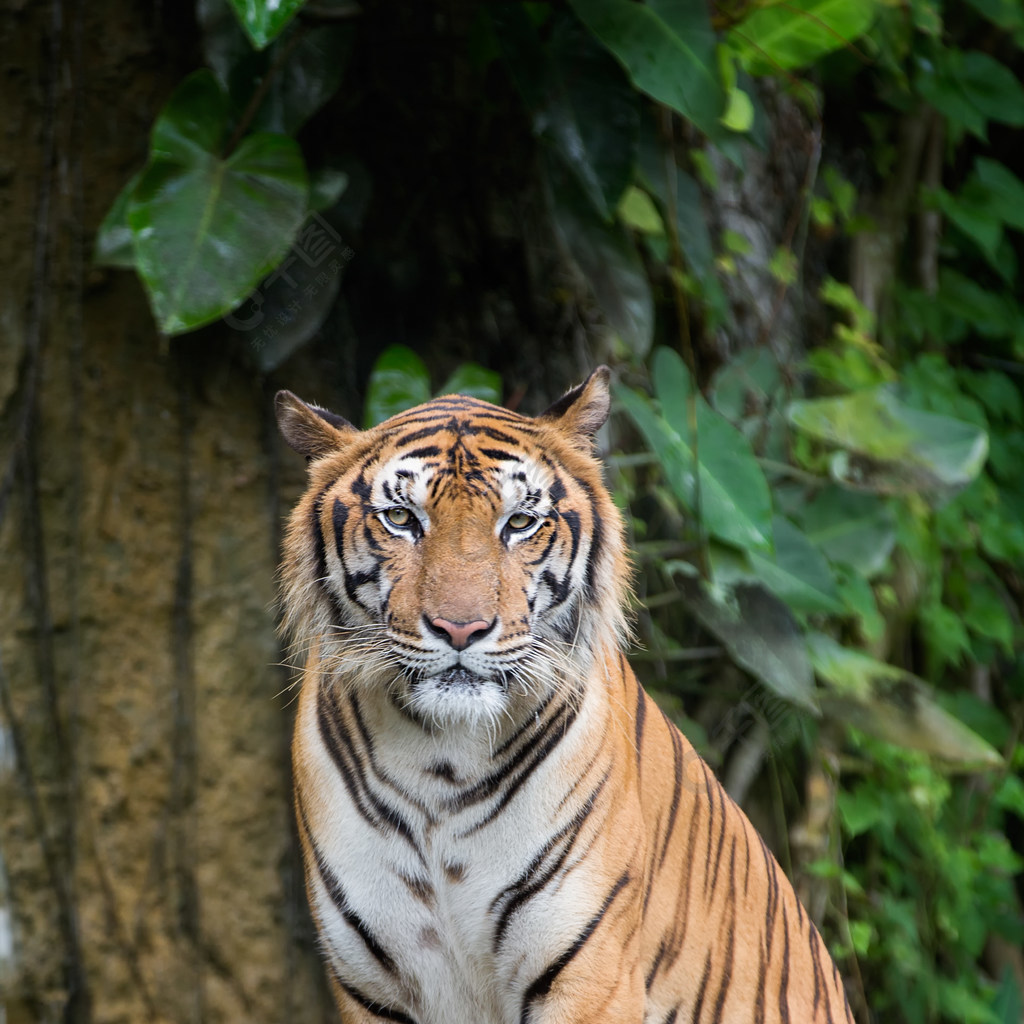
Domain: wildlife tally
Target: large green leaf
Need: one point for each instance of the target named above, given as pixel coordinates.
(608, 261)
(889, 446)
(893, 704)
(668, 49)
(798, 572)
(264, 20)
(398, 381)
(788, 34)
(855, 530)
(735, 502)
(759, 633)
(581, 102)
(208, 228)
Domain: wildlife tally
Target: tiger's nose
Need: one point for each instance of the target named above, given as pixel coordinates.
(461, 634)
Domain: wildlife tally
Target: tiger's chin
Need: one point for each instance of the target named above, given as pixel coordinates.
(459, 697)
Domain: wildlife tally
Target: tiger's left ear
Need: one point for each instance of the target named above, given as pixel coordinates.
(310, 430)
(581, 412)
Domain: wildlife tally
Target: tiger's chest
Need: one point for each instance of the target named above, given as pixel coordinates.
(441, 893)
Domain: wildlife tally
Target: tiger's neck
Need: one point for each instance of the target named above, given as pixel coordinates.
(451, 766)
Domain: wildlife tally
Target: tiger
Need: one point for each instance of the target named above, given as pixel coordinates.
(498, 824)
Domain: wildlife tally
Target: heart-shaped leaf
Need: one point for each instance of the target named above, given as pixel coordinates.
(208, 228)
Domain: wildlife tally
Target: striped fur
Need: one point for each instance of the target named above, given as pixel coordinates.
(499, 825)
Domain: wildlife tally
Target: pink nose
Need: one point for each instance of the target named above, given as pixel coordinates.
(461, 634)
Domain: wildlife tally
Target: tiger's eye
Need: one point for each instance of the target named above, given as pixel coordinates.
(398, 516)
(519, 521)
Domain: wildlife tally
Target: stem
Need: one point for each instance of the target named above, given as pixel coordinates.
(254, 104)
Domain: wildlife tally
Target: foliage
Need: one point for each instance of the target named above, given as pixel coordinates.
(849, 529)
(400, 380)
(226, 189)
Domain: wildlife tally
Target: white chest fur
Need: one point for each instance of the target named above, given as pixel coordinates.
(446, 872)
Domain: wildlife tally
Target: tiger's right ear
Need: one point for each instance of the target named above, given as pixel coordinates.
(310, 430)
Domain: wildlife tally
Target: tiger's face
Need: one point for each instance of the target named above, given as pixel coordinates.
(458, 556)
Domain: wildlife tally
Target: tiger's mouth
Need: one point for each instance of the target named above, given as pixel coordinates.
(459, 678)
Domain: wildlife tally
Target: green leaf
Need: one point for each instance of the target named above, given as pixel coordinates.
(990, 313)
(795, 33)
(115, 246)
(207, 229)
(638, 212)
(861, 810)
(892, 448)
(759, 633)
(581, 102)
(855, 530)
(985, 613)
(1005, 188)
(859, 598)
(264, 20)
(668, 49)
(944, 634)
(734, 501)
(739, 111)
(799, 573)
(398, 381)
(971, 88)
(893, 705)
(608, 261)
(472, 379)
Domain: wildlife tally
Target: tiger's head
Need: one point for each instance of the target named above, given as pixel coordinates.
(465, 558)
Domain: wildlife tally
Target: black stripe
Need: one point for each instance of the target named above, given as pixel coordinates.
(730, 947)
(527, 886)
(490, 785)
(596, 540)
(370, 1006)
(656, 963)
(639, 716)
(677, 774)
(541, 985)
(722, 797)
(339, 517)
(341, 747)
(336, 891)
(784, 980)
(528, 769)
(705, 978)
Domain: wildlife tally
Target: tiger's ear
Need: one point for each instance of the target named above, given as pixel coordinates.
(581, 412)
(310, 430)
